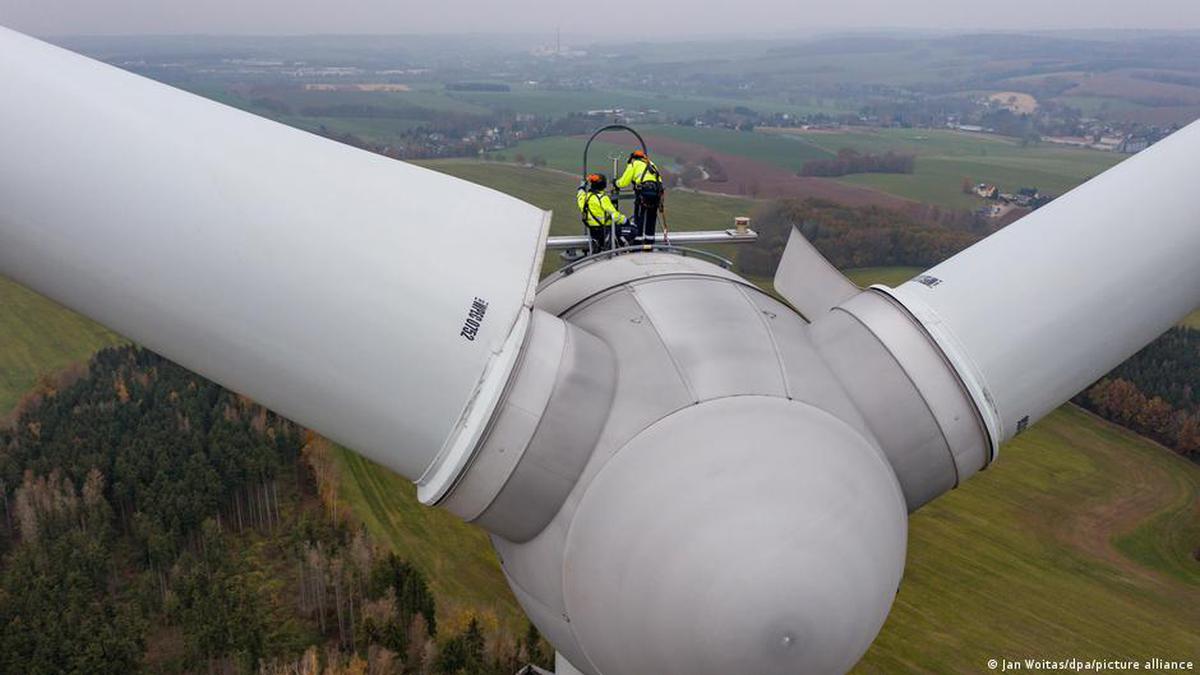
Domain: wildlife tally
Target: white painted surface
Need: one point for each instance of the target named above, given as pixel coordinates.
(808, 281)
(1036, 312)
(746, 534)
(328, 283)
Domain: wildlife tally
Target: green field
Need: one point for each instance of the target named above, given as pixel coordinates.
(39, 337)
(565, 153)
(945, 158)
(1078, 542)
(430, 98)
(456, 557)
(539, 101)
(768, 148)
(557, 103)
(380, 131)
(920, 142)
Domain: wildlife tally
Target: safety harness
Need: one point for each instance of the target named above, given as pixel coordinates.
(586, 211)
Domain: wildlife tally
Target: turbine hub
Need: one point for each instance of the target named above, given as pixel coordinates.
(747, 534)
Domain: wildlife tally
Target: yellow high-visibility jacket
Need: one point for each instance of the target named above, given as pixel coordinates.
(638, 171)
(598, 210)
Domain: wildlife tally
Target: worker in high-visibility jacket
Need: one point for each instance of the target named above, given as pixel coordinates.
(598, 212)
(647, 184)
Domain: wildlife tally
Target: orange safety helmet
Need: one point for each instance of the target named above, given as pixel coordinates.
(637, 154)
(597, 181)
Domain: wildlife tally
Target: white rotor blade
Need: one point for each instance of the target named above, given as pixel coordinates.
(1034, 313)
(380, 303)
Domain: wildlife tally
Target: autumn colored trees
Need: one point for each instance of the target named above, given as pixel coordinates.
(1155, 392)
(865, 236)
(151, 519)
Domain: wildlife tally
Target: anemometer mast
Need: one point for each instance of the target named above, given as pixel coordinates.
(681, 473)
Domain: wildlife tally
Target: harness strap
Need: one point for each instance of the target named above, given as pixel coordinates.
(586, 211)
(648, 167)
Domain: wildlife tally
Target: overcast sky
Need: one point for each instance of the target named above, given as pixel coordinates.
(676, 18)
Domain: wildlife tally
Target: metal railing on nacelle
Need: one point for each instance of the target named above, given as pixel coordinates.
(572, 266)
(732, 236)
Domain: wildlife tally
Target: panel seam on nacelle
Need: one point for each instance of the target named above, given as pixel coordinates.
(599, 293)
(666, 348)
(762, 320)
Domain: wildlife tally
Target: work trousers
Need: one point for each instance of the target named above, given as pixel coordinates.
(645, 214)
(599, 237)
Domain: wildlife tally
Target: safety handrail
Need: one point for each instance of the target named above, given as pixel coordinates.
(684, 251)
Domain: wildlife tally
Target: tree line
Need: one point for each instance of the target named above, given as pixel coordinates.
(849, 161)
(859, 236)
(153, 520)
(1155, 392)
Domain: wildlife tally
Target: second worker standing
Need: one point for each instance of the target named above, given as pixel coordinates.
(647, 184)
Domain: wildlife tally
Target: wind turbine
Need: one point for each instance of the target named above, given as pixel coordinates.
(680, 473)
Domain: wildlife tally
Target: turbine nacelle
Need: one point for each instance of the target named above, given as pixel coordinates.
(718, 469)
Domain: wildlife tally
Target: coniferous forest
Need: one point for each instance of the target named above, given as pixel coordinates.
(152, 520)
